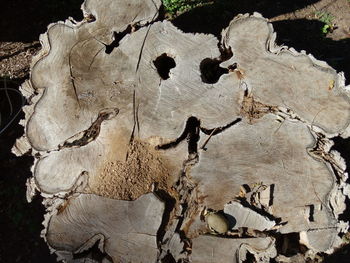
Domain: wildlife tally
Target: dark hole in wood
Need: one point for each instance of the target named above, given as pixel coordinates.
(211, 71)
(168, 259)
(169, 206)
(249, 258)
(289, 245)
(163, 64)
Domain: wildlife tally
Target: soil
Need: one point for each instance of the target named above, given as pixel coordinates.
(298, 24)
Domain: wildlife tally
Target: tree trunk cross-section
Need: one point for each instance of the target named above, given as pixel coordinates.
(142, 133)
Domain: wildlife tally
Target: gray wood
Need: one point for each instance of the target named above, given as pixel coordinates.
(103, 128)
(126, 230)
(214, 249)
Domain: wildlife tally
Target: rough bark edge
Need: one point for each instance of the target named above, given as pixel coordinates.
(332, 159)
(34, 95)
(274, 48)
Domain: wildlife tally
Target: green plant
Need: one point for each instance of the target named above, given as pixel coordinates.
(174, 7)
(327, 19)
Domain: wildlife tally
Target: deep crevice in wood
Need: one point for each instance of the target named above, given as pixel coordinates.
(243, 201)
(192, 192)
(93, 253)
(311, 213)
(117, 36)
(191, 132)
(187, 200)
(225, 52)
(168, 259)
(319, 151)
(72, 78)
(250, 258)
(169, 203)
(218, 130)
(91, 133)
(288, 244)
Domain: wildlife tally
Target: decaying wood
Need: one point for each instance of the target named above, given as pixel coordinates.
(139, 129)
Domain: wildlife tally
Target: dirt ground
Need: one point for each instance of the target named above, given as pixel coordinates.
(320, 27)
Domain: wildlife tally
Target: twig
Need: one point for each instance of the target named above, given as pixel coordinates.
(207, 140)
(18, 112)
(8, 97)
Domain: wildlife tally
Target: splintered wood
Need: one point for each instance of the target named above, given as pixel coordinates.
(141, 132)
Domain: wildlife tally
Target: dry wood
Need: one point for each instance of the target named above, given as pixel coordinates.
(138, 130)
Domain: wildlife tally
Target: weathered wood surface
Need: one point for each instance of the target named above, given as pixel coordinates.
(124, 108)
(91, 219)
(213, 249)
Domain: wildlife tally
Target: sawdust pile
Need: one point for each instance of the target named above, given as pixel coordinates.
(144, 166)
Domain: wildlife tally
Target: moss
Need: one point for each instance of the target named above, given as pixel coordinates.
(176, 7)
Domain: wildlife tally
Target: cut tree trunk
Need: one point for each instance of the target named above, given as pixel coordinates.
(141, 133)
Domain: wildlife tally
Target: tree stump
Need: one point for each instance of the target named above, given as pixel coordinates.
(154, 145)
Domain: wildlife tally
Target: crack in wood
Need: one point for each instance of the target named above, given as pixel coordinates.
(170, 204)
(320, 152)
(94, 253)
(187, 202)
(117, 36)
(72, 78)
(182, 211)
(135, 109)
(244, 202)
(89, 135)
(149, 25)
(192, 134)
(253, 109)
